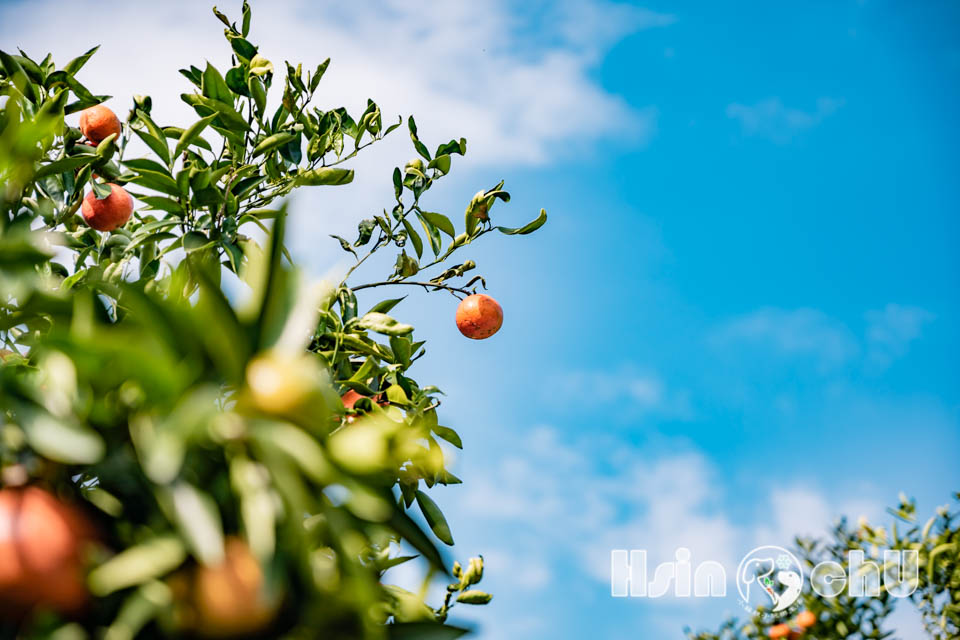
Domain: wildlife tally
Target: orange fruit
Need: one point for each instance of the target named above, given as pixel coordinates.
(806, 619)
(479, 316)
(231, 599)
(98, 122)
(779, 631)
(110, 213)
(42, 540)
(350, 398)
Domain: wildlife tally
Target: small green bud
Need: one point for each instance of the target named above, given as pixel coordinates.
(474, 596)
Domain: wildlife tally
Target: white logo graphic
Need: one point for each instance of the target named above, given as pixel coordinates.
(769, 576)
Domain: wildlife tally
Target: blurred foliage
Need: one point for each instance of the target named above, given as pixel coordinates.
(937, 596)
(182, 420)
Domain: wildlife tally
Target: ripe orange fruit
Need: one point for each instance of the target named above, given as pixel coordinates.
(350, 398)
(98, 122)
(806, 619)
(479, 316)
(41, 552)
(779, 631)
(231, 598)
(110, 213)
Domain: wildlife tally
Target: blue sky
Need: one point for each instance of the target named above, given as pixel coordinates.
(740, 321)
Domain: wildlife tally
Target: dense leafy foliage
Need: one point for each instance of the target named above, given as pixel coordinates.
(937, 596)
(180, 419)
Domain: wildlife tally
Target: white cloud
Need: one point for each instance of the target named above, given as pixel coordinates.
(519, 87)
(810, 333)
(801, 511)
(791, 332)
(891, 330)
(517, 83)
(561, 503)
(634, 388)
(773, 120)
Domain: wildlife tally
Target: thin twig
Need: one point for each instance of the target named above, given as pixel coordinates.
(425, 285)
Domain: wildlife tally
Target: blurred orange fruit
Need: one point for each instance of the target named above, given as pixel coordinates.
(779, 631)
(231, 598)
(806, 619)
(41, 552)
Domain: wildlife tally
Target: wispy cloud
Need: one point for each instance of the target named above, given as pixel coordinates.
(634, 389)
(891, 330)
(773, 120)
(564, 502)
(810, 333)
(793, 333)
(518, 86)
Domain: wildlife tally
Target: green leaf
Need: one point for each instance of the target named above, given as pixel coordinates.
(414, 237)
(137, 564)
(321, 69)
(441, 164)
(61, 441)
(345, 245)
(227, 113)
(272, 142)
(77, 63)
(153, 137)
(101, 190)
(245, 24)
(412, 533)
(244, 50)
(157, 182)
(419, 146)
(424, 631)
(406, 266)
(454, 146)
(255, 86)
(174, 133)
(191, 134)
(449, 435)
(435, 518)
(198, 520)
(162, 204)
(260, 65)
(300, 447)
(382, 323)
(214, 87)
(530, 227)
(237, 81)
(433, 235)
(384, 306)
(324, 176)
(62, 166)
(400, 345)
(145, 164)
(222, 18)
(440, 221)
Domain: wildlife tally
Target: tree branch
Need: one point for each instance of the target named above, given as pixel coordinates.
(426, 285)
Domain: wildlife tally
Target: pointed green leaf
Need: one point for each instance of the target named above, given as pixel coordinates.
(325, 176)
(435, 518)
(530, 227)
(382, 323)
(190, 135)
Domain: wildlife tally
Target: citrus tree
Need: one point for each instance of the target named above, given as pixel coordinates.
(177, 462)
(937, 596)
